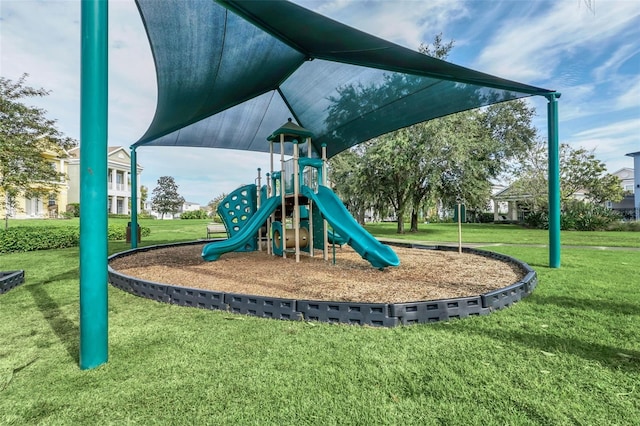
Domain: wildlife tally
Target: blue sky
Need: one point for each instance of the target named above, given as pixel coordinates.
(589, 54)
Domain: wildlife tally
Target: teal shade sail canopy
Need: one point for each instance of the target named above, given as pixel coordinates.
(231, 72)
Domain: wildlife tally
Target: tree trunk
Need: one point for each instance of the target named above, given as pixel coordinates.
(400, 202)
(360, 216)
(414, 221)
(400, 219)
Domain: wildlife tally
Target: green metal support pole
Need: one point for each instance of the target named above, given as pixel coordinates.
(134, 198)
(93, 185)
(554, 180)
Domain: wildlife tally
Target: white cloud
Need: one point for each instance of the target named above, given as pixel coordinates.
(613, 129)
(407, 23)
(201, 173)
(132, 82)
(43, 40)
(630, 94)
(577, 101)
(538, 47)
(589, 99)
(610, 142)
(619, 56)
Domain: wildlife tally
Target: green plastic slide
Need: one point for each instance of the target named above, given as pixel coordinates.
(378, 254)
(214, 250)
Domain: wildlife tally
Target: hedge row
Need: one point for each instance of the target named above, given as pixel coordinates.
(23, 239)
(194, 214)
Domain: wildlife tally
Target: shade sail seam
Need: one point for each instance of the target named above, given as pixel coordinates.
(293, 70)
(286, 102)
(529, 90)
(263, 26)
(264, 114)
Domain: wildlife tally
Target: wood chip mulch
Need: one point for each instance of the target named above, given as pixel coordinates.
(422, 274)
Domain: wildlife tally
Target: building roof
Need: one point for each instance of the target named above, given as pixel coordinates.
(74, 154)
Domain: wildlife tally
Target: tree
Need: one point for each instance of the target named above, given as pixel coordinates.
(213, 204)
(347, 178)
(386, 170)
(378, 172)
(28, 141)
(165, 197)
(580, 170)
(485, 145)
(437, 49)
(448, 159)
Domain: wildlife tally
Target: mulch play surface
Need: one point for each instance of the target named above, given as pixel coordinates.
(422, 274)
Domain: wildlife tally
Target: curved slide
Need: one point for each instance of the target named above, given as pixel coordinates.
(212, 251)
(372, 250)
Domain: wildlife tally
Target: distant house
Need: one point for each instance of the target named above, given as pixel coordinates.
(636, 182)
(516, 211)
(625, 175)
(626, 205)
(187, 206)
(517, 208)
(119, 178)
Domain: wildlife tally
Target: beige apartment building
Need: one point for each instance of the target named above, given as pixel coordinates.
(68, 188)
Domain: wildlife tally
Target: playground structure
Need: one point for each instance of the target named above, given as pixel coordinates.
(293, 211)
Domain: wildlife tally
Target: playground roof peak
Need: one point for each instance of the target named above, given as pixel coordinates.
(291, 131)
(230, 71)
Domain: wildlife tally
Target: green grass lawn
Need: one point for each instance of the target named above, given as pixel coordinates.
(503, 234)
(568, 354)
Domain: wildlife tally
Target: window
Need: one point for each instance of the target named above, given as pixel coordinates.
(33, 206)
(120, 181)
(53, 200)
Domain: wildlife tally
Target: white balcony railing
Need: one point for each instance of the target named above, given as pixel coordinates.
(120, 187)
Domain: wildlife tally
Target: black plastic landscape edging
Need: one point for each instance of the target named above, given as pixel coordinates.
(373, 314)
(10, 280)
